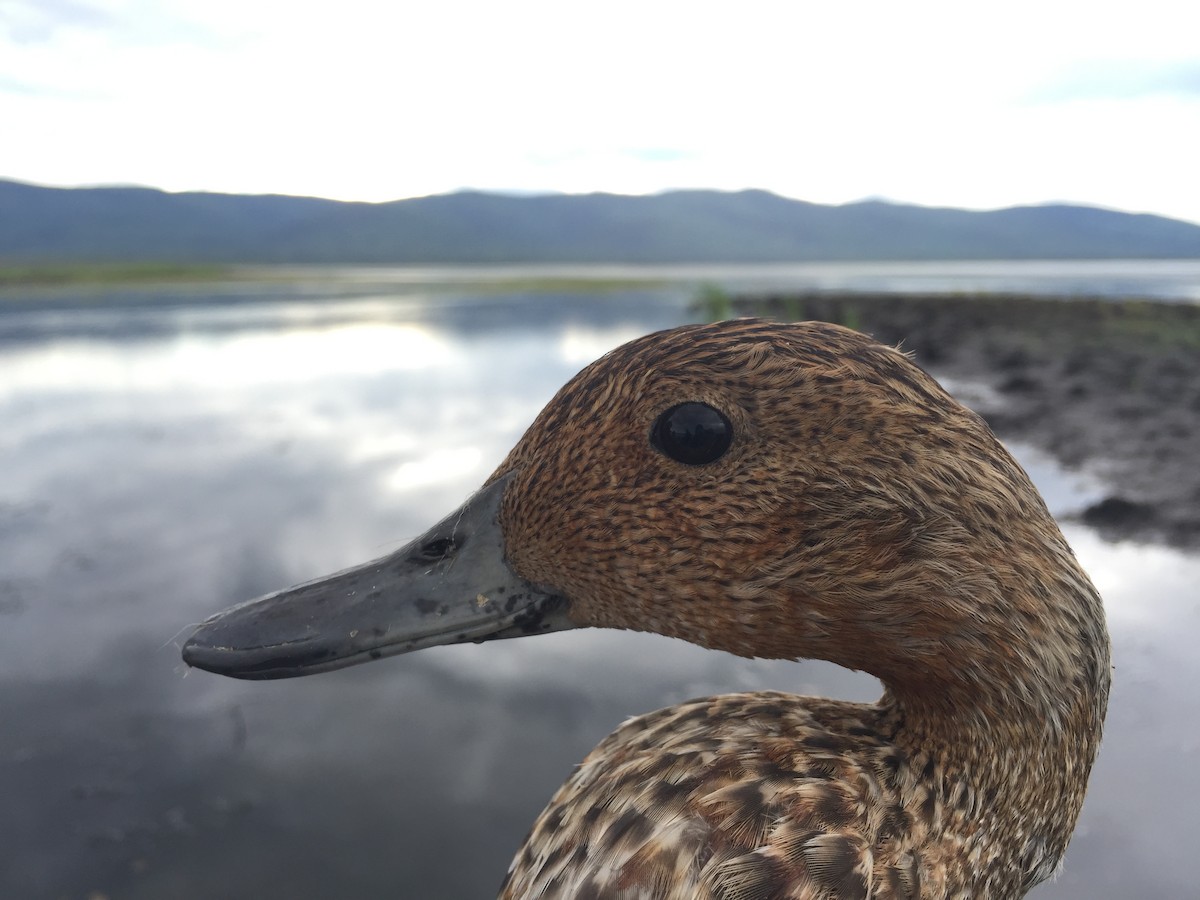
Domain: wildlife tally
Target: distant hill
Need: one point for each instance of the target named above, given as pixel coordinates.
(119, 224)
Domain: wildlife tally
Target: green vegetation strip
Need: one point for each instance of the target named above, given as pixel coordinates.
(554, 284)
(51, 274)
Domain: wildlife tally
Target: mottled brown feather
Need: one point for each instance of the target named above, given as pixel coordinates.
(861, 516)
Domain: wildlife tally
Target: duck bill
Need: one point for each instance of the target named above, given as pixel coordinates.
(452, 585)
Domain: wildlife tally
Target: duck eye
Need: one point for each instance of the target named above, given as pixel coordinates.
(692, 433)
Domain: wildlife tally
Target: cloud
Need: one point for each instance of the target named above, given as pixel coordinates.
(37, 21)
(659, 154)
(116, 24)
(9, 85)
(1121, 80)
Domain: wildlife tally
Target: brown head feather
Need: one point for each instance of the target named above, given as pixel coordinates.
(862, 516)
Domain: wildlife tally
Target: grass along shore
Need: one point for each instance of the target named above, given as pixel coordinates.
(83, 274)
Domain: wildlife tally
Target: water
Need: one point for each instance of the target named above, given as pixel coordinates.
(168, 453)
(1160, 279)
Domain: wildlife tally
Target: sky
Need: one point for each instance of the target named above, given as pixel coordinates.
(935, 103)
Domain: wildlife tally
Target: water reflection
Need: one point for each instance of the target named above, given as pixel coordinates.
(160, 464)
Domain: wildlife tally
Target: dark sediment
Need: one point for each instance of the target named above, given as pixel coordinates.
(1112, 386)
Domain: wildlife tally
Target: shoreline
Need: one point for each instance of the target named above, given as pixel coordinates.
(1109, 386)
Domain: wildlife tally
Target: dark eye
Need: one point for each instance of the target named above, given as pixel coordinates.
(692, 433)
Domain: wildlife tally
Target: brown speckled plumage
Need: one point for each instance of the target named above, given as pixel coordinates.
(861, 516)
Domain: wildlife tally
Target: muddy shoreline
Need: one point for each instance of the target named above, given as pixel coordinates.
(1108, 386)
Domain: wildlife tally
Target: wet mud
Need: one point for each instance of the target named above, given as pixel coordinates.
(1108, 386)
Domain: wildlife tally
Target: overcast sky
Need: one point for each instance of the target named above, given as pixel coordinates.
(956, 104)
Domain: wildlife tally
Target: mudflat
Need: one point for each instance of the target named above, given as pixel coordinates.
(1110, 386)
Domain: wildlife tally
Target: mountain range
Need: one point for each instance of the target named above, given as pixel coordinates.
(133, 224)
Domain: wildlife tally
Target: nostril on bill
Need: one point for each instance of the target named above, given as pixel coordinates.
(437, 549)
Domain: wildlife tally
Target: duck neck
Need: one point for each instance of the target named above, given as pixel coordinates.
(1007, 731)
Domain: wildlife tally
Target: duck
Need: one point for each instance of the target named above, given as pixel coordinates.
(771, 490)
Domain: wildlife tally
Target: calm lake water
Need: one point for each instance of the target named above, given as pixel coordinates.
(167, 452)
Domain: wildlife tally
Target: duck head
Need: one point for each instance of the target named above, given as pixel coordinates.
(772, 490)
